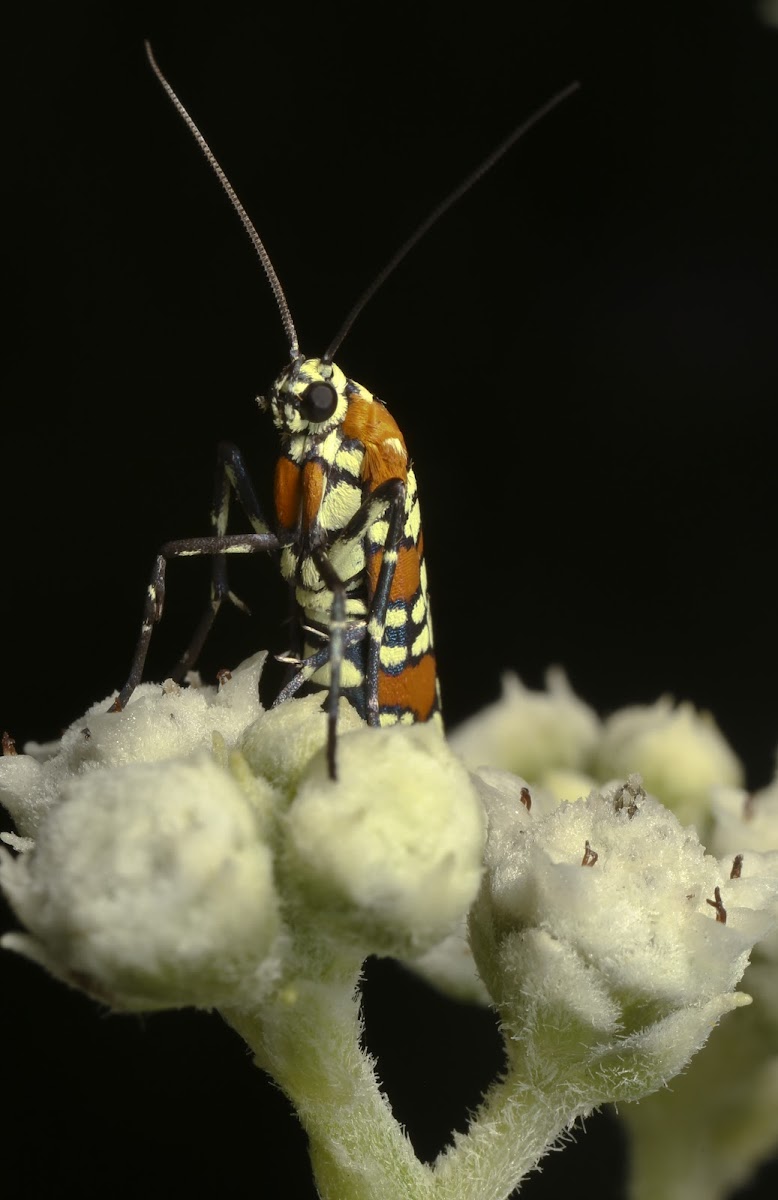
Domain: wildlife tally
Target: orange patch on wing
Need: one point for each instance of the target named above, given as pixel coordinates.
(414, 689)
(287, 493)
(407, 579)
(386, 456)
(313, 490)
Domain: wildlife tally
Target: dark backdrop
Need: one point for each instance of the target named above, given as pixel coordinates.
(582, 356)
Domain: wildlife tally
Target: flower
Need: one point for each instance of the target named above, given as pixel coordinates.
(680, 753)
(396, 845)
(527, 732)
(183, 850)
(148, 881)
(149, 887)
(720, 1119)
(604, 929)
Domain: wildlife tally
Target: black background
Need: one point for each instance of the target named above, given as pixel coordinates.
(582, 356)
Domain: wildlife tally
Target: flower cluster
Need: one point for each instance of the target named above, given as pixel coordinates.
(193, 850)
(719, 1119)
(168, 852)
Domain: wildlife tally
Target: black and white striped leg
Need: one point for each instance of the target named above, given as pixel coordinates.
(246, 543)
(231, 476)
(308, 667)
(337, 630)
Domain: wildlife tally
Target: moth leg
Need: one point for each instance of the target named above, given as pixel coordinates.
(247, 543)
(231, 477)
(336, 646)
(389, 497)
(308, 667)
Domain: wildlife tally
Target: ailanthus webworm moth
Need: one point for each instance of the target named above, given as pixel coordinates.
(347, 529)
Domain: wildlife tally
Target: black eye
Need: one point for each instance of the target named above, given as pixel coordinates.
(318, 401)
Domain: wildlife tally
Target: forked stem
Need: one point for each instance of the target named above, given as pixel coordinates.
(311, 1047)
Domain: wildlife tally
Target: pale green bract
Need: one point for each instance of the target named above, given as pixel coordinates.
(192, 850)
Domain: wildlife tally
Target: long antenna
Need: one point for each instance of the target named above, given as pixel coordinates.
(256, 241)
(443, 207)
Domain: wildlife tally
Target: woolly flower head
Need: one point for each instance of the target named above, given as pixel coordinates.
(177, 852)
(745, 830)
(147, 881)
(528, 732)
(720, 1119)
(680, 753)
(603, 927)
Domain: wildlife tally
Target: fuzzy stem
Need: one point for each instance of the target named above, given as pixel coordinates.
(311, 1046)
(510, 1133)
(309, 1043)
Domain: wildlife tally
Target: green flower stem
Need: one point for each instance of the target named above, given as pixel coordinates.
(309, 1042)
(510, 1133)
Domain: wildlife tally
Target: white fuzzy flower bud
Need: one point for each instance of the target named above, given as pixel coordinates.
(680, 753)
(566, 783)
(393, 850)
(280, 745)
(744, 821)
(605, 926)
(720, 1118)
(158, 723)
(745, 833)
(529, 732)
(149, 887)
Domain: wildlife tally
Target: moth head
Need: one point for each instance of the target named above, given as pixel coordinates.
(309, 396)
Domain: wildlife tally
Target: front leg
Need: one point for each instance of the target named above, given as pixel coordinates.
(307, 667)
(337, 629)
(231, 477)
(247, 543)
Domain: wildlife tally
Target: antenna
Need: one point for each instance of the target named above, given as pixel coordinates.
(440, 209)
(256, 241)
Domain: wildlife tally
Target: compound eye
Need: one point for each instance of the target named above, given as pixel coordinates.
(318, 401)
